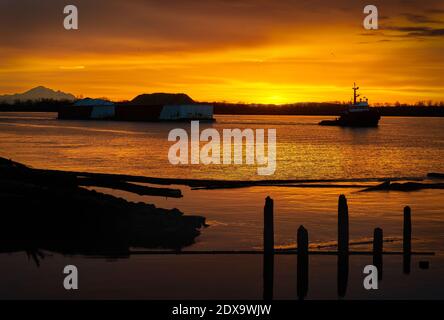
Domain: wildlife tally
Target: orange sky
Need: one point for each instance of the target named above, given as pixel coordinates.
(246, 50)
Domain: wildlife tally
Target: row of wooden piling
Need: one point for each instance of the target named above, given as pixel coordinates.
(342, 252)
(343, 231)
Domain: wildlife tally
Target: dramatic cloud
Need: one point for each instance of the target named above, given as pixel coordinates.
(251, 50)
(419, 18)
(419, 31)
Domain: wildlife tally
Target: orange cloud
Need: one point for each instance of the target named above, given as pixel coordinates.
(252, 51)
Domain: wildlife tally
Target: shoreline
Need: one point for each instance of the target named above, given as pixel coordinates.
(48, 210)
(416, 112)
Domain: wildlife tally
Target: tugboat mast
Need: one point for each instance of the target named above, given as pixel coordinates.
(355, 88)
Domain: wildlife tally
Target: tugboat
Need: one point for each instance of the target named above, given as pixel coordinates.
(357, 115)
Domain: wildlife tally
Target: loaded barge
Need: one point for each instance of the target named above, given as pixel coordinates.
(153, 107)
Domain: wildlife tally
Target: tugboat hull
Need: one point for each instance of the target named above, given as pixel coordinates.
(355, 119)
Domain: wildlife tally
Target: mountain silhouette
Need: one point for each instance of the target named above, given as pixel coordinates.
(37, 93)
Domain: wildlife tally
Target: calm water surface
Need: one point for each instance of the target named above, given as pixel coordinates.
(400, 147)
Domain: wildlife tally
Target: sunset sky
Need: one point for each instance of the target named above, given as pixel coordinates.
(214, 50)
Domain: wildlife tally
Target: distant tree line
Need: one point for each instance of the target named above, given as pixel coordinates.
(421, 108)
(43, 105)
(426, 109)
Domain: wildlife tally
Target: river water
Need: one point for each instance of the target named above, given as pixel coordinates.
(399, 147)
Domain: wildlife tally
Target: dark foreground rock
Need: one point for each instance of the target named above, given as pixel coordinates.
(46, 210)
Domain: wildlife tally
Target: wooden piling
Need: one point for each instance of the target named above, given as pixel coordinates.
(302, 242)
(268, 226)
(268, 257)
(302, 265)
(343, 230)
(407, 240)
(343, 240)
(377, 250)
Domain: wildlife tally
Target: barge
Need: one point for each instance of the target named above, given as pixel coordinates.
(170, 109)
